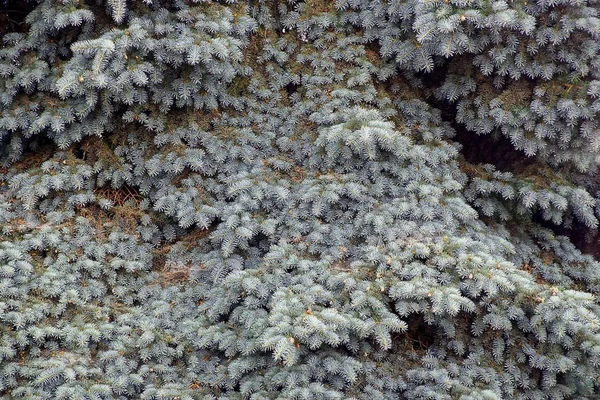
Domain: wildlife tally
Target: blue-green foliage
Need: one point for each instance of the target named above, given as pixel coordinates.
(263, 199)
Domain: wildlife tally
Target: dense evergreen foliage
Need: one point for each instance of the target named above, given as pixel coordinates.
(292, 199)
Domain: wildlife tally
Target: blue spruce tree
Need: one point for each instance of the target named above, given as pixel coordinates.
(316, 199)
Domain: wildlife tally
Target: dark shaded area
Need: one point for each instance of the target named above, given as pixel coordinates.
(488, 149)
(477, 149)
(582, 237)
(497, 150)
(261, 241)
(79, 153)
(291, 88)
(13, 14)
(419, 333)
